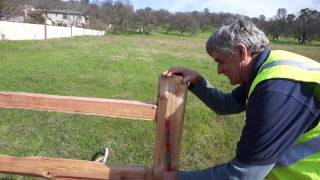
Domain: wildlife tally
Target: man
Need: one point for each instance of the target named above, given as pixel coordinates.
(280, 92)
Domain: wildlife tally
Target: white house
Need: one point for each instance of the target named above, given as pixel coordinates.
(65, 18)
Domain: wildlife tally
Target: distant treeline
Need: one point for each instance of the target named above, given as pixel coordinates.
(120, 16)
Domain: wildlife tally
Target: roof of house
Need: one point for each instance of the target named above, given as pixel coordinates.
(58, 11)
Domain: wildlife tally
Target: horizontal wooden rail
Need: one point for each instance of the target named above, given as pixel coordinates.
(81, 105)
(54, 168)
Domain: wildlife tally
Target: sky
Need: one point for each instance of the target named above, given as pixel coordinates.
(251, 8)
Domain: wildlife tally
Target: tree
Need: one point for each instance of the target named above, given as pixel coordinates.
(262, 22)
(282, 14)
(107, 13)
(1, 7)
(145, 20)
(49, 4)
(123, 10)
(84, 2)
(162, 17)
(96, 21)
(183, 22)
(308, 24)
(277, 24)
(273, 29)
(205, 20)
(290, 29)
(35, 18)
(11, 8)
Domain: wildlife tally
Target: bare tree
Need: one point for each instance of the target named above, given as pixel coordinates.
(11, 8)
(117, 14)
(162, 18)
(205, 22)
(277, 24)
(1, 7)
(308, 24)
(95, 14)
(290, 29)
(282, 14)
(48, 4)
(35, 17)
(107, 13)
(262, 22)
(183, 22)
(145, 20)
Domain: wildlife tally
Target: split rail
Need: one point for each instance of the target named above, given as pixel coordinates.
(168, 115)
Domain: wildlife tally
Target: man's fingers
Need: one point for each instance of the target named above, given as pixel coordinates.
(165, 73)
(173, 71)
(186, 80)
(188, 75)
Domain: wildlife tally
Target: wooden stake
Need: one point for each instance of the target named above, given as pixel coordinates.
(171, 107)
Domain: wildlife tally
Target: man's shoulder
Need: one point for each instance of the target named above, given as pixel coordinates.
(271, 91)
(283, 87)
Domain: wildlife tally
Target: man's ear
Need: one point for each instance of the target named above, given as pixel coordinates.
(243, 51)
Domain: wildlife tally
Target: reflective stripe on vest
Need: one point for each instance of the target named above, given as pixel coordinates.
(299, 151)
(302, 160)
(277, 66)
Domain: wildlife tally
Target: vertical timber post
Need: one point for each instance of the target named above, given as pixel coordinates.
(172, 96)
(45, 31)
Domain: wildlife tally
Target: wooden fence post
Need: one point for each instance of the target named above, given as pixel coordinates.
(169, 123)
(45, 31)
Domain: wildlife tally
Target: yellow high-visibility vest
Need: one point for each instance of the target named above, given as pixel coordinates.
(302, 160)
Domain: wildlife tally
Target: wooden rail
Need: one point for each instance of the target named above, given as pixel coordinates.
(81, 105)
(54, 168)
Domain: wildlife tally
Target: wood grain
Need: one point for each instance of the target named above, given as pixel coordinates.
(54, 168)
(80, 105)
(171, 107)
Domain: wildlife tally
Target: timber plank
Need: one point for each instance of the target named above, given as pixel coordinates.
(80, 105)
(55, 168)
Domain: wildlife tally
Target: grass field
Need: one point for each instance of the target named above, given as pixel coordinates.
(118, 67)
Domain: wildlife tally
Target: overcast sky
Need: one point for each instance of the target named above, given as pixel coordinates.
(252, 8)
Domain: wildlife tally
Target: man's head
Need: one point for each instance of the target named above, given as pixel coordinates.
(234, 46)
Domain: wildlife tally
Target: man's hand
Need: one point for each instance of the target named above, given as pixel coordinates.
(188, 75)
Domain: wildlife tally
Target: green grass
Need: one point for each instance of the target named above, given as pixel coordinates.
(118, 67)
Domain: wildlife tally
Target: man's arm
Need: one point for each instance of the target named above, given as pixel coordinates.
(233, 170)
(219, 102)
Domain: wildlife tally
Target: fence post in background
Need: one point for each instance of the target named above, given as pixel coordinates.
(45, 31)
(71, 30)
(172, 96)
